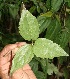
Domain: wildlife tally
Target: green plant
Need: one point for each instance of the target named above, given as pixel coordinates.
(29, 29)
(54, 19)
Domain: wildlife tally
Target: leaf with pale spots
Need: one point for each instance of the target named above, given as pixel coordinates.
(45, 48)
(28, 26)
(23, 56)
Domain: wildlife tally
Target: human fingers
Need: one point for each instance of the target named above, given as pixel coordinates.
(26, 67)
(7, 49)
(29, 72)
(4, 69)
(19, 44)
(20, 74)
(5, 60)
(4, 65)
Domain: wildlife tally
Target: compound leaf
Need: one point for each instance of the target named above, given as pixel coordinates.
(22, 57)
(28, 26)
(45, 48)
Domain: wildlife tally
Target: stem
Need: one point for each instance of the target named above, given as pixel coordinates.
(64, 14)
(46, 67)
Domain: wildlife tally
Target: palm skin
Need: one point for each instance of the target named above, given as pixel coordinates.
(5, 64)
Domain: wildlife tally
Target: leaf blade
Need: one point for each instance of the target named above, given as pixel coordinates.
(22, 57)
(56, 5)
(28, 26)
(45, 48)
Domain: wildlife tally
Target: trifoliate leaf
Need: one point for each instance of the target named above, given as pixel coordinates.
(23, 56)
(45, 48)
(28, 26)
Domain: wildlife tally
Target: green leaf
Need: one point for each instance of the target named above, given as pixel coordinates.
(66, 73)
(23, 56)
(67, 24)
(13, 10)
(40, 75)
(56, 5)
(48, 4)
(42, 7)
(45, 48)
(47, 14)
(68, 1)
(28, 26)
(64, 39)
(53, 30)
(32, 9)
(43, 22)
(51, 68)
(65, 35)
(44, 64)
(1, 6)
(34, 65)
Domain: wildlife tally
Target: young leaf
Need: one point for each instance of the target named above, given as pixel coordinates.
(28, 26)
(23, 56)
(56, 5)
(45, 48)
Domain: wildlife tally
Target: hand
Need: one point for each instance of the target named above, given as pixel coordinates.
(5, 64)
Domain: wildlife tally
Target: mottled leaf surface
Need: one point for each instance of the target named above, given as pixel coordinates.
(28, 26)
(22, 57)
(45, 48)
